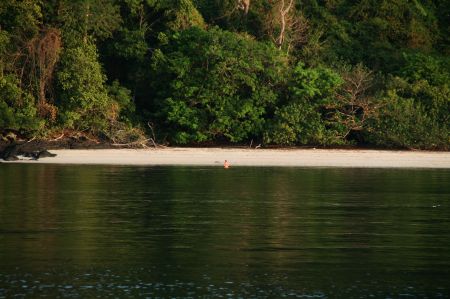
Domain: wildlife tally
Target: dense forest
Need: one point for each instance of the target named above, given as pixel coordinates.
(201, 72)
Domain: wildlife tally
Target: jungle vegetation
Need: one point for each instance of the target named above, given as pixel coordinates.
(200, 72)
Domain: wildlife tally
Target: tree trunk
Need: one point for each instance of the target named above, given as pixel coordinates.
(244, 5)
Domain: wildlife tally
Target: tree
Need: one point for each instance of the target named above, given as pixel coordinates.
(415, 106)
(215, 85)
(181, 14)
(372, 31)
(301, 119)
(356, 100)
(405, 123)
(244, 5)
(87, 19)
(83, 96)
(284, 25)
(41, 58)
(27, 58)
(17, 110)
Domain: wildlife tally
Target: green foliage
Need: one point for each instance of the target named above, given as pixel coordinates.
(130, 44)
(83, 95)
(373, 31)
(88, 19)
(228, 15)
(442, 11)
(239, 81)
(403, 123)
(4, 41)
(301, 120)
(315, 84)
(86, 102)
(182, 14)
(21, 18)
(173, 14)
(296, 123)
(17, 110)
(426, 79)
(416, 111)
(215, 85)
(125, 56)
(419, 66)
(20, 21)
(121, 96)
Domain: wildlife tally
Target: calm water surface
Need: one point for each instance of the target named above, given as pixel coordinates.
(180, 232)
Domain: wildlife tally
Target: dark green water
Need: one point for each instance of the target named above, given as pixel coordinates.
(102, 231)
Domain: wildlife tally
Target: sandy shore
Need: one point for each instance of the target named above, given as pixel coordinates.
(252, 157)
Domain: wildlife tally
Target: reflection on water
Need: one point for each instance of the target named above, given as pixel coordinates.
(88, 231)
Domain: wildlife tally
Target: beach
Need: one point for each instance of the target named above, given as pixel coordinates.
(250, 157)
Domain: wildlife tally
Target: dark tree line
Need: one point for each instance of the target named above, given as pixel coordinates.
(284, 72)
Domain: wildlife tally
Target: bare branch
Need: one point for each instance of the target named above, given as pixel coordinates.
(244, 5)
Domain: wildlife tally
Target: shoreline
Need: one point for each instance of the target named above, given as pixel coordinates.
(248, 157)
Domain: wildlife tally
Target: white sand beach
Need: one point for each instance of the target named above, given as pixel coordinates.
(251, 157)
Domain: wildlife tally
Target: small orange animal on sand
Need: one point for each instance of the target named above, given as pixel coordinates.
(226, 164)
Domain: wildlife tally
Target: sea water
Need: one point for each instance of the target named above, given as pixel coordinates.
(244, 232)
